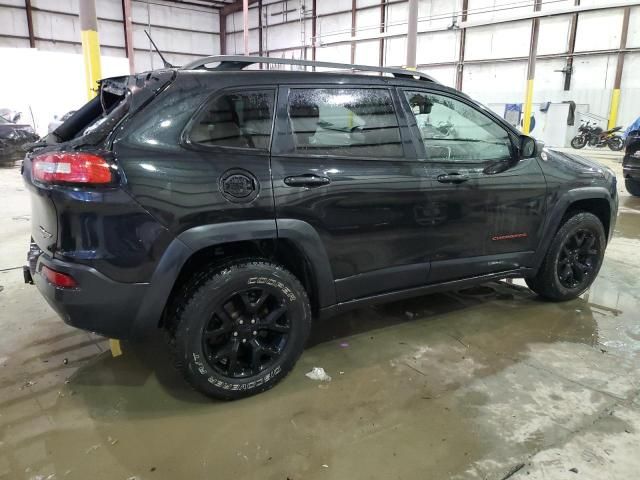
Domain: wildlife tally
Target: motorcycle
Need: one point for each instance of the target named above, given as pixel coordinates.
(595, 136)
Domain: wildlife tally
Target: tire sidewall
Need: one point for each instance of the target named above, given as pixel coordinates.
(632, 186)
(616, 144)
(578, 222)
(198, 312)
(578, 142)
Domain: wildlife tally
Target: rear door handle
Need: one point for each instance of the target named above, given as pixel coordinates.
(452, 178)
(307, 180)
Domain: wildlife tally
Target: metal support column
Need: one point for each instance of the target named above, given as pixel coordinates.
(223, 33)
(383, 19)
(462, 46)
(32, 38)
(353, 31)
(245, 25)
(314, 40)
(571, 48)
(412, 33)
(531, 70)
(90, 45)
(615, 96)
(260, 29)
(128, 34)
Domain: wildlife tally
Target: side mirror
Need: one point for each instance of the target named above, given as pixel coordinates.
(527, 147)
(16, 117)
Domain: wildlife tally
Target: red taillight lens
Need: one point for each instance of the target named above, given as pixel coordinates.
(71, 167)
(59, 279)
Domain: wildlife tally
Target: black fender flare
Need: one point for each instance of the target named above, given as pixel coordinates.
(301, 233)
(557, 211)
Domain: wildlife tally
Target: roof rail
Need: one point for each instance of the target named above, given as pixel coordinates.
(238, 62)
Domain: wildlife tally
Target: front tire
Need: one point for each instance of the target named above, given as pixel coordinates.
(239, 329)
(578, 142)
(573, 259)
(633, 186)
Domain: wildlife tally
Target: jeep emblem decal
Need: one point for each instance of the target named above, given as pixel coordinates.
(239, 186)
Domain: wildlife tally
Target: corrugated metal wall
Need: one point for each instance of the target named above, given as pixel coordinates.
(184, 32)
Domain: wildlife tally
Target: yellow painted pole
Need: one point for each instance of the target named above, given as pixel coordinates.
(531, 70)
(528, 100)
(90, 46)
(615, 95)
(613, 112)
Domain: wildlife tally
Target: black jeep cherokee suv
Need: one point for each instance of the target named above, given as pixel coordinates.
(230, 207)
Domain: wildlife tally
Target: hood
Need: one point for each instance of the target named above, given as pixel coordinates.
(579, 165)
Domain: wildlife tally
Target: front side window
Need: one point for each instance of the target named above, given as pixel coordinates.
(454, 131)
(354, 122)
(236, 119)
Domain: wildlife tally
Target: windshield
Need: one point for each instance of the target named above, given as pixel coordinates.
(4, 120)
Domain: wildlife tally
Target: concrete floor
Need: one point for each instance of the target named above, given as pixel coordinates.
(490, 383)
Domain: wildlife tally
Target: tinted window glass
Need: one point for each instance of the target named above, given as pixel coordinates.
(354, 122)
(453, 131)
(236, 119)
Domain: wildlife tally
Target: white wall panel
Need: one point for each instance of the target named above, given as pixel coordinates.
(14, 22)
(335, 53)
(599, 30)
(488, 10)
(444, 74)
(633, 37)
(553, 35)
(593, 72)
(367, 53)
(334, 28)
(395, 52)
(495, 82)
(499, 41)
(436, 47)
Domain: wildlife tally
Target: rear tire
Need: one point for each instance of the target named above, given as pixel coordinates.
(578, 142)
(573, 259)
(633, 186)
(239, 329)
(616, 144)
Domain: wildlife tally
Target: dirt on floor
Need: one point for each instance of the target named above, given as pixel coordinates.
(484, 383)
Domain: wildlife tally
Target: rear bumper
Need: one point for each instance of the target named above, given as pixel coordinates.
(98, 304)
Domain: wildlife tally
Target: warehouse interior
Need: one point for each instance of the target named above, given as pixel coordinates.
(481, 382)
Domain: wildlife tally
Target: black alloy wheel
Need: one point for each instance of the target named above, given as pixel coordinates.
(238, 329)
(247, 333)
(573, 259)
(578, 257)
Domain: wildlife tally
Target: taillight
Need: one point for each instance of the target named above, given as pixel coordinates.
(71, 167)
(59, 279)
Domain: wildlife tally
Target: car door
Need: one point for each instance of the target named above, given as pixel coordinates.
(490, 204)
(343, 162)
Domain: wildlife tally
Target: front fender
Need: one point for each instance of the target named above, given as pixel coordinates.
(560, 206)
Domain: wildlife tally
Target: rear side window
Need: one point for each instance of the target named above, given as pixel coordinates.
(357, 122)
(236, 119)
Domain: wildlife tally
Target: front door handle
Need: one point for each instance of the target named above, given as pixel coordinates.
(307, 180)
(452, 178)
